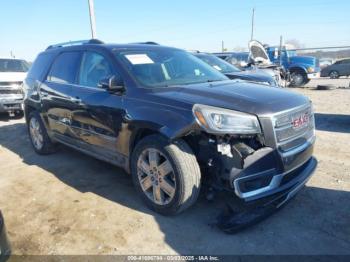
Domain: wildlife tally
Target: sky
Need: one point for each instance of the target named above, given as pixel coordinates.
(29, 26)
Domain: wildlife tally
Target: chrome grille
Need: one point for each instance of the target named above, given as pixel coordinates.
(294, 128)
(16, 83)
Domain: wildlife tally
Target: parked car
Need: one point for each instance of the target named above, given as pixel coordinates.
(172, 121)
(5, 249)
(324, 62)
(233, 72)
(338, 69)
(12, 74)
(223, 55)
(238, 59)
(243, 61)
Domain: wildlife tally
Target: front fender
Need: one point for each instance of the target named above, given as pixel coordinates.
(169, 121)
(165, 120)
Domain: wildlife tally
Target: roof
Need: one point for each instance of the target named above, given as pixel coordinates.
(77, 45)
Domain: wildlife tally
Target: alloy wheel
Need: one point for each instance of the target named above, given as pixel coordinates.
(334, 75)
(36, 133)
(156, 176)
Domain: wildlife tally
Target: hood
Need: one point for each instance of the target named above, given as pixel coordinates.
(251, 76)
(12, 76)
(240, 96)
(258, 53)
(303, 59)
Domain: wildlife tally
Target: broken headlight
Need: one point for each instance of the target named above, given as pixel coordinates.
(223, 121)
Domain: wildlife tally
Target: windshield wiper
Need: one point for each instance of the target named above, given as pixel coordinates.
(213, 80)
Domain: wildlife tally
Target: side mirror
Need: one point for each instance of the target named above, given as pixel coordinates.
(112, 84)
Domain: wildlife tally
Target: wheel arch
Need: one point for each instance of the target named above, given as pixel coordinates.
(28, 109)
(298, 69)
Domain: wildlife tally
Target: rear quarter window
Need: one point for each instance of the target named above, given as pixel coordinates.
(64, 68)
(40, 66)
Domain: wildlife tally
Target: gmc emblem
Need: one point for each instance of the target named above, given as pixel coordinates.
(300, 121)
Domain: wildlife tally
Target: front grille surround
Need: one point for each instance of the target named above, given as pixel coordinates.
(289, 129)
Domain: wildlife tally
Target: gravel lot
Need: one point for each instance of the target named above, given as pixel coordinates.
(69, 203)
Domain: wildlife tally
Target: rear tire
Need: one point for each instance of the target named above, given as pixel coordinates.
(334, 74)
(174, 165)
(39, 138)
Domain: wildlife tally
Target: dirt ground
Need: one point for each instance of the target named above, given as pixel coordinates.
(69, 203)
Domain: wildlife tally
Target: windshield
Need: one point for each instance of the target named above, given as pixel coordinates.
(218, 63)
(13, 65)
(291, 53)
(167, 67)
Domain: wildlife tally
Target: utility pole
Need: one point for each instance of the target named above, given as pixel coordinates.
(253, 17)
(222, 46)
(92, 19)
(280, 50)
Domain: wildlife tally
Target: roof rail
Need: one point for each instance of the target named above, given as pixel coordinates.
(79, 42)
(194, 51)
(147, 43)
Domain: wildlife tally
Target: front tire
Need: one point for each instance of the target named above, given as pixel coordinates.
(166, 174)
(297, 79)
(41, 142)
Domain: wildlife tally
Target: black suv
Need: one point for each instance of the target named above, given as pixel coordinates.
(170, 120)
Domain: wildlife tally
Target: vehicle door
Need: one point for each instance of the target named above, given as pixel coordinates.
(345, 67)
(97, 116)
(54, 93)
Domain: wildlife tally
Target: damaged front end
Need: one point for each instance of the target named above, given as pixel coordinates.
(263, 169)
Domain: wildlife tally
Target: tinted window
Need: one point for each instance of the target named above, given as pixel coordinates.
(94, 67)
(13, 65)
(40, 66)
(218, 64)
(64, 68)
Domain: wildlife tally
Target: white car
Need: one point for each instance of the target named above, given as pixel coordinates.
(12, 74)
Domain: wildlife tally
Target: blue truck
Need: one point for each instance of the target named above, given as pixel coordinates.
(301, 68)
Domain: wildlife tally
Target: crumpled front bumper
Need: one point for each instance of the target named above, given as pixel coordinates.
(231, 221)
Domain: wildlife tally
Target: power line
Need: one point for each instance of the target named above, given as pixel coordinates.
(319, 48)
